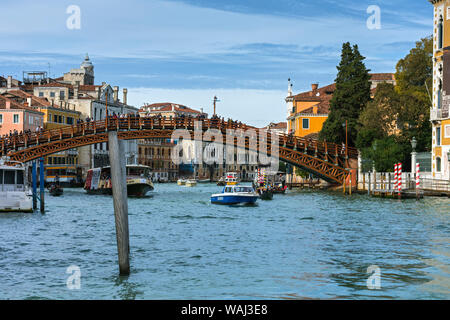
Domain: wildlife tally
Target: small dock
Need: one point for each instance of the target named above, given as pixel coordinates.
(394, 194)
(305, 185)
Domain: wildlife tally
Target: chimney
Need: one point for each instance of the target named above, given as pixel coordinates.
(97, 92)
(8, 104)
(125, 94)
(116, 93)
(75, 91)
(29, 101)
(9, 83)
(314, 86)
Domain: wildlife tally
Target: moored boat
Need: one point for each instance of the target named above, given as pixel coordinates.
(139, 183)
(15, 195)
(181, 182)
(235, 194)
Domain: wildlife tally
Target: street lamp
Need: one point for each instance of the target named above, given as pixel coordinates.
(413, 155)
(414, 143)
(374, 149)
(344, 125)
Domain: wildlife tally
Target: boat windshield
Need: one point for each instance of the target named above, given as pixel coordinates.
(12, 180)
(137, 171)
(243, 189)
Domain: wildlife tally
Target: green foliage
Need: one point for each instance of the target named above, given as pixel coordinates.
(397, 114)
(350, 98)
(387, 153)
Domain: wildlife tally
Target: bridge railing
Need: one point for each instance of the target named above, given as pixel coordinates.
(25, 140)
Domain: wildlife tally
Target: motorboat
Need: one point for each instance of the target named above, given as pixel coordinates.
(139, 182)
(235, 194)
(191, 183)
(15, 195)
(181, 182)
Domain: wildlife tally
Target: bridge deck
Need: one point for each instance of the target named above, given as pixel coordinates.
(327, 158)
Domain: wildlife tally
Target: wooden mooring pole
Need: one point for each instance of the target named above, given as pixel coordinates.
(34, 183)
(119, 188)
(42, 184)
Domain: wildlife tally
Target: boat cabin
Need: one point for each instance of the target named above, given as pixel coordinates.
(238, 189)
(12, 178)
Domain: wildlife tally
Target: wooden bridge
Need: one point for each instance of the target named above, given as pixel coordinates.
(326, 160)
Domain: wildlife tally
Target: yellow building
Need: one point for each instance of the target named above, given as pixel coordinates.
(440, 116)
(308, 111)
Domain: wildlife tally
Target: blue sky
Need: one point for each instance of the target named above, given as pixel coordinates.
(187, 51)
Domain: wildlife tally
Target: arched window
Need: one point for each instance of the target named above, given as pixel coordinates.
(440, 94)
(440, 32)
(438, 164)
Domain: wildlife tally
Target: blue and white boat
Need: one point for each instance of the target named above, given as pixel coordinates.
(235, 194)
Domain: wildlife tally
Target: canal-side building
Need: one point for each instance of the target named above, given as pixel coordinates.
(157, 154)
(76, 90)
(308, 111)
(440, 115)
(65, 164)
(15, 116)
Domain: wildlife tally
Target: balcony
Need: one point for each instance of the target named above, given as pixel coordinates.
(439, 114)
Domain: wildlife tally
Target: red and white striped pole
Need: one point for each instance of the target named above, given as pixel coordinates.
(417, 179)
(399, 179)
(395, 177)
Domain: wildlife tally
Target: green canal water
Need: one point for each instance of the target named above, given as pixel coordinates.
(301, 245)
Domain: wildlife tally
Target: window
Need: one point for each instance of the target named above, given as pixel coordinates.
(30, 119)
(305, 123)
(69, 120)
(41, 94)
(55, 118)
(438, 136)
(52, 94)
(438, 164)
(10, 176)
(49, 117)
(446, 129)
(1, 118)
(440, 32)
(60, 119)
(62, 95)
(16, 118)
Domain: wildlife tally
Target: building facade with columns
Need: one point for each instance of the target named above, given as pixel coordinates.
(440, 115)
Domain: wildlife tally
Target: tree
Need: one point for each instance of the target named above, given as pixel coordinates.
(350, 97)
(387, 153)
(380, 118)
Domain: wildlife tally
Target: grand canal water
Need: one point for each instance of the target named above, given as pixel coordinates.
(301, 245)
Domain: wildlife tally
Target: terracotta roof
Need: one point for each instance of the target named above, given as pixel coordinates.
(36, 100)
(166, 107)
(14, 105)
(54, 85)
(279, 125)
(88, 87)
(382, 77)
